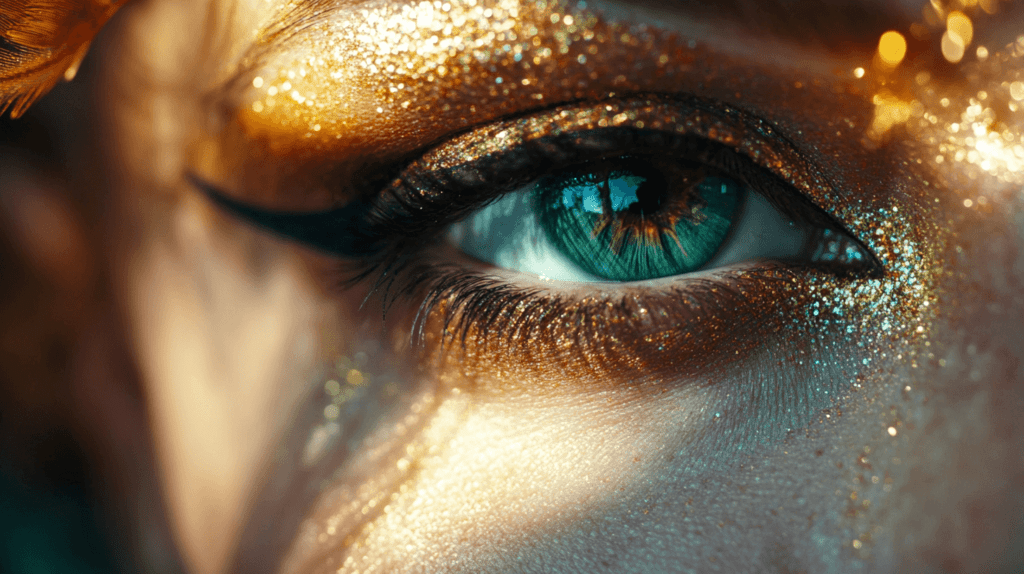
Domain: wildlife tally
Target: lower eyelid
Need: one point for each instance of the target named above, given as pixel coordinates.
(502, 333)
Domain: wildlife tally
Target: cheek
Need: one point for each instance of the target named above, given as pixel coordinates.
(480, 481)
(222, 327)
(493, 481)
(961, 464)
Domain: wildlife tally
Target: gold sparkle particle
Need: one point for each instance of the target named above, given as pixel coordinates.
(892, 47)
(889, 112)
(952, 47)
(959, 26)
(958, 35)
(1017, 90)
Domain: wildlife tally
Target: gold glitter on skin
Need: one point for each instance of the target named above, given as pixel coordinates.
(439, 64)
(891, 197)
(897, 318)
(373, 84)
(968, 115)
(894, 231)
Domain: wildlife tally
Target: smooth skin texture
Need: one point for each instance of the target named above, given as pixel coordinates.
(818, 448)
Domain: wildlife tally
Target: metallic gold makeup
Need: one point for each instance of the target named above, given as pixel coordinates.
(375, 86)
(440, 67)
(437, 62)
(404, 221)
(391, 77)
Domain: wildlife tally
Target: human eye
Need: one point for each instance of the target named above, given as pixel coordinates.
(622, 190)
(631, 203)
(643, 189)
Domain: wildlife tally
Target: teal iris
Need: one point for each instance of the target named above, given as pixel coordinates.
(633, 219)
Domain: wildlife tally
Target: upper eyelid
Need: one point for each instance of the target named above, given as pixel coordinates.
(776, 162)
(348, 233)
(791, 29)
(747, 134)
(800, 23)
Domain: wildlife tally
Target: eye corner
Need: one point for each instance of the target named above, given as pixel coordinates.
(842, 254)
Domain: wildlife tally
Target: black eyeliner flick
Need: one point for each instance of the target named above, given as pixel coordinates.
(342, 232)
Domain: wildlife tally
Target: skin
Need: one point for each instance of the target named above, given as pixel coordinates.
(906, 457)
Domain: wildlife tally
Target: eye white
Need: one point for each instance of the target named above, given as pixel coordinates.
(506, 234)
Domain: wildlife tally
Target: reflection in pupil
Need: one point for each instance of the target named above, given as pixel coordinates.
(631, 219)
(648, 194)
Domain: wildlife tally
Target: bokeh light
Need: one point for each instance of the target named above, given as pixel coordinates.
(892, 47)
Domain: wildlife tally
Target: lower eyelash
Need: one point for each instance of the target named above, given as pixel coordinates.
(637, 334)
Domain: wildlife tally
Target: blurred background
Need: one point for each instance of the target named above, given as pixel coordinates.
(53, 308)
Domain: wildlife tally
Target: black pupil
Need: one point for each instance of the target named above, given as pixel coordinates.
(651, 192)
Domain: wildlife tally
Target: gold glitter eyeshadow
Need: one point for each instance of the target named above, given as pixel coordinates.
(723, 124)
(421, 69)
(664, 333)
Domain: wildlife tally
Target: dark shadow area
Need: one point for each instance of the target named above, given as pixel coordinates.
(50, 515)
